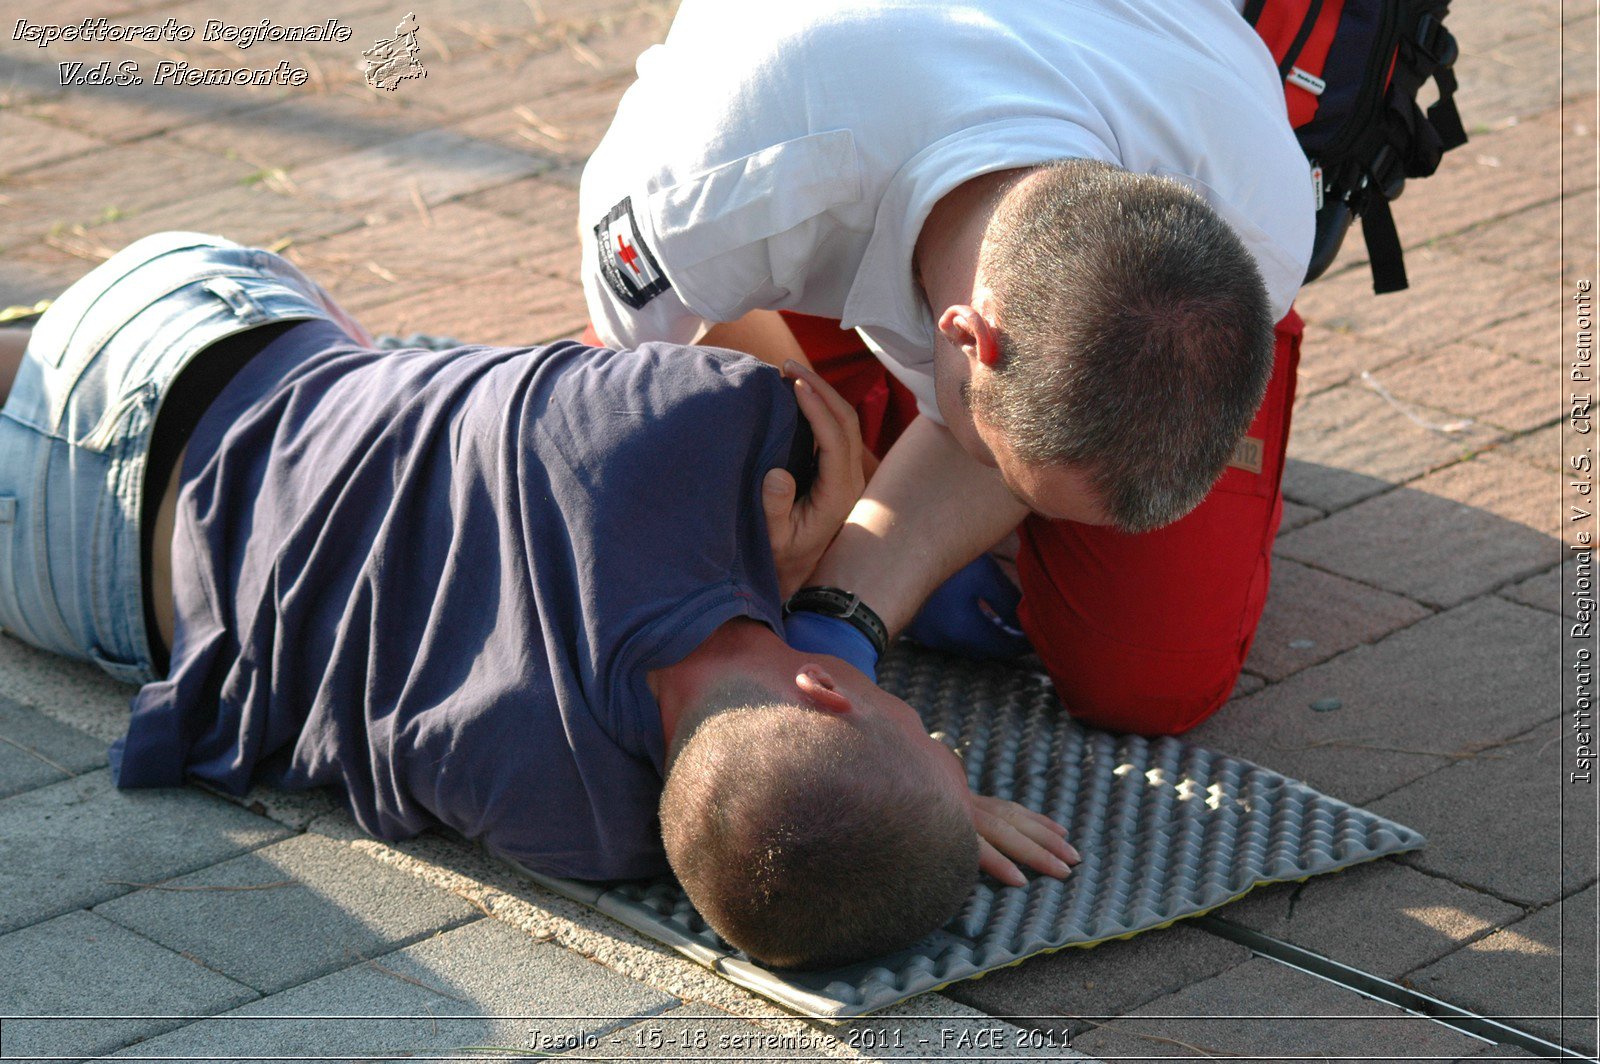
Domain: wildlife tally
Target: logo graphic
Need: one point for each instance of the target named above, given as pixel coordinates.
(625, 262)
(393, 61)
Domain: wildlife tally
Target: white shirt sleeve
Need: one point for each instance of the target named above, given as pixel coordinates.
(661, 263)
(629, 297)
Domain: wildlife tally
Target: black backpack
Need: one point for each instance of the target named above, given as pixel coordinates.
(1352, 70)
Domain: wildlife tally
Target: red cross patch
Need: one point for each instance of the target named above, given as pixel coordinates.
(625, 262)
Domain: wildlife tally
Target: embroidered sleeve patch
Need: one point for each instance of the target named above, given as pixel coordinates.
(626, 263)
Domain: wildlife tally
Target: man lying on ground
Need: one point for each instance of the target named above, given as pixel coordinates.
(532, 594)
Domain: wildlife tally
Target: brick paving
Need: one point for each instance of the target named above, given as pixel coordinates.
(1418, 586)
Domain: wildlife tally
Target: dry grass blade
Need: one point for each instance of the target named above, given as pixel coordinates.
(421, 204)
(403, 977)
(583, 53)
(37, 756)
(79, 244)
(524, 112)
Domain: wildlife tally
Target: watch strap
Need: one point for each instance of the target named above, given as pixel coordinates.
(847, 607)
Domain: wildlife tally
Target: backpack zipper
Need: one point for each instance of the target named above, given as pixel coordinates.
(1373, 81)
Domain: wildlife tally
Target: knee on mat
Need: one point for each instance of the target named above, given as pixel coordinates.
(1156, 699)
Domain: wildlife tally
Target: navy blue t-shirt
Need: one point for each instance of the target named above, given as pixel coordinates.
(438, 579)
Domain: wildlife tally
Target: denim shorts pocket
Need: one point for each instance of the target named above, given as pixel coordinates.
(12, 552)
(10, 600)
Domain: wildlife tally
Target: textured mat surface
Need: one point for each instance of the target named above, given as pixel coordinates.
(1166, 830)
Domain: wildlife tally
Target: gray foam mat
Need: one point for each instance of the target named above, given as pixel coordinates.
(1166, 829)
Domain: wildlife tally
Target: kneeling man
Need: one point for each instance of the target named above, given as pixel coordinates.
(531, 594)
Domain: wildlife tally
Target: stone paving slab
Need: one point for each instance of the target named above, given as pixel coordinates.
(1450, 298)
(510, 306)
(318, 907)
(33, 142)
(72, 692)
(1544, 450)
(1445, 538)
(1537, 241)
(564, 126)
(410, 254)
(1499, 391)
(1312, 616)
(1063, 992)
(586, 50)
(259, 211)
(81, 965)
(1350, 443)
(487, 80)
(35, 750)
(125, 179)
(1264, 1009)
(1546, 591)
(1330, 357)
(82, 841)
(1506, 1053)
(295, 810)
(306, 129)
(548, 207)
(483, 984)
(129, 114)
(37, 271)
(1521, 971)
(1516, 77)
(1381, 917)
(435, 166)
(1248, 683)
(1497, 821)
(1485, 23)
(1480, 673)
(1296, 514)
(1536, 335)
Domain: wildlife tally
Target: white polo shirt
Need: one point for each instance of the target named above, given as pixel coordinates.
(785, 155)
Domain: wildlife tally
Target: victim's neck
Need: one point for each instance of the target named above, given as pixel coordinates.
(741, 648)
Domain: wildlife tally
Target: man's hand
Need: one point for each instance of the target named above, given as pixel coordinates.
(1008, 833)
(800, 530)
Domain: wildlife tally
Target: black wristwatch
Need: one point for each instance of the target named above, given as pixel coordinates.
(833, 602)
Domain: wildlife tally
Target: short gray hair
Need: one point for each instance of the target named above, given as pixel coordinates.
(1136, 338)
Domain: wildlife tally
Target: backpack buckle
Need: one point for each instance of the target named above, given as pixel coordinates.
(1387, 172)
(1436, 42)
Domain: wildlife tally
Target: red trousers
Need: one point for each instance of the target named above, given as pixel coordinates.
(1142, 633)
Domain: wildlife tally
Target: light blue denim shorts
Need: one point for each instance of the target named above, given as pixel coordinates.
(75, 432)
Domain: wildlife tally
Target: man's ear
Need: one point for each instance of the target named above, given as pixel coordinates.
(816, 683)
(973, 333)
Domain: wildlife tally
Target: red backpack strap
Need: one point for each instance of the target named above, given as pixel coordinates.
(1299, 33)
